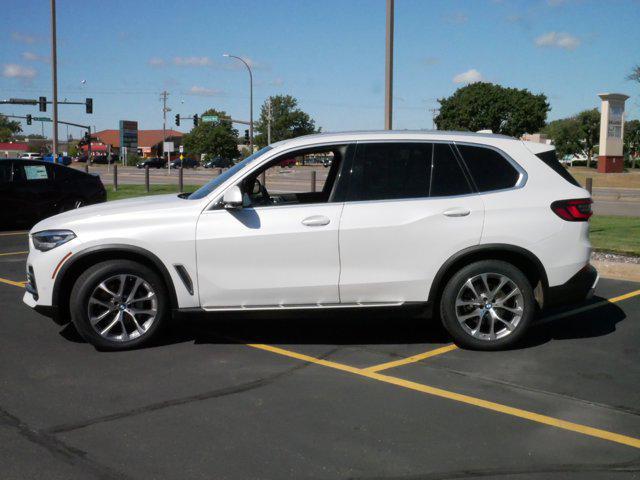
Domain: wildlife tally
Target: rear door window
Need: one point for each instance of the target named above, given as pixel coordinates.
(386, 171)
(489, 169)
(447, 176)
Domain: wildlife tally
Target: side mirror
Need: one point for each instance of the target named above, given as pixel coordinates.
(232, 198)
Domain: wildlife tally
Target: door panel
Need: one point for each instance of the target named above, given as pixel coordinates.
(269, 256)
(391, 250)
(409, 208)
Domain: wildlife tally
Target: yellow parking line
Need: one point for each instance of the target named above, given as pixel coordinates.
(13, 233)
(13, 282)
(412, 359)
(457, 397)
(12, 253)
(625, 296)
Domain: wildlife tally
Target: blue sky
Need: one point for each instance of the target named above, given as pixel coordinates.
(329, 54)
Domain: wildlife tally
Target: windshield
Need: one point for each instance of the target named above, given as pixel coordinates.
(220, 179)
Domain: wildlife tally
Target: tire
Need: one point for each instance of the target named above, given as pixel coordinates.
(95, 297)
(463, 308)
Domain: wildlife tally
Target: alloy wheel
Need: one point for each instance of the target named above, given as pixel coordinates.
(122, 308)
(489, 306)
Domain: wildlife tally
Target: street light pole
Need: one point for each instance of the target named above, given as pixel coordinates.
(54, 74)
(250, 98)
(388, 90)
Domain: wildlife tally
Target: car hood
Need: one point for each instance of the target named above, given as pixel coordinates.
(138, 209)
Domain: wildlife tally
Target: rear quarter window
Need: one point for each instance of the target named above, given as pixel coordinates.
(489, 169)
(551, 160)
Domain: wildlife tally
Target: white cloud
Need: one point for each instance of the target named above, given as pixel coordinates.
(204, 92)
(192, 61)
(470, 76)
(276, 82)
(34, 57)
(22, 38)
(558, 40)
(156, 62)
(12, 70)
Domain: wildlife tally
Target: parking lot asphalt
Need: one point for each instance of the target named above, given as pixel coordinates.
(373, 395)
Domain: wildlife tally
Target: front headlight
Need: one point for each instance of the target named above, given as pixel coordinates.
(48, 239)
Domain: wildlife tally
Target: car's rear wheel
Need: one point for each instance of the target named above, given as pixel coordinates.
(487, 305)
(119, 304)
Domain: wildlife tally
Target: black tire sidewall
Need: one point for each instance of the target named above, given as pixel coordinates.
(449, 294)
(85, 285)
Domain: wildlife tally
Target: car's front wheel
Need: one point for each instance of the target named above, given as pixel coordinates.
(487, 305)
(119, 304)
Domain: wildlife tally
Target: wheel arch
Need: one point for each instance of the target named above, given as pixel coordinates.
(82, 260)
(520, 257)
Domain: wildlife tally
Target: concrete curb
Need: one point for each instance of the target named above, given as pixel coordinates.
(618, 270)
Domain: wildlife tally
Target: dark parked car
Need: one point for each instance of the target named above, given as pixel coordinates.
(219, 162)
(185, 163)
(152, 163)
(31, 190)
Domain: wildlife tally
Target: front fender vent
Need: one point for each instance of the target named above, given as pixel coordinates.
(184, 276)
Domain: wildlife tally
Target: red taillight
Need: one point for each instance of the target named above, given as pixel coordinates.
(577, 210)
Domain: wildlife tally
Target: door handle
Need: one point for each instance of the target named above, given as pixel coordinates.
(316, 221)
(457, 212)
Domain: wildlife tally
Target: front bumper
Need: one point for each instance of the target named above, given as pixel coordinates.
(578, 288)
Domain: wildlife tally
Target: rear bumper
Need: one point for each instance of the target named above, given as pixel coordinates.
(577, 289)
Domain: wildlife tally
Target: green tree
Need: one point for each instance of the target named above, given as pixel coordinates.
(481, 106)
(215, 138)
(635, 74)
(8, 128)
(632, 140)
(73, 150)
(287, 120)
(589, 122)
(565, 134)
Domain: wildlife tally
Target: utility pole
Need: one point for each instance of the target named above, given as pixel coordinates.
(54, 74)
(164, 96)
(388, 90)
(268, 122)
(165, 109)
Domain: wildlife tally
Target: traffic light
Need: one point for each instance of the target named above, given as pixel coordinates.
(87, 137)
(177, 119)
(246, 137)
(195, 120)
(89, 105)
(28, 119)
(42, 102)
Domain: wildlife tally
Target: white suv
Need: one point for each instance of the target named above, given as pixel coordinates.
(484, 229)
